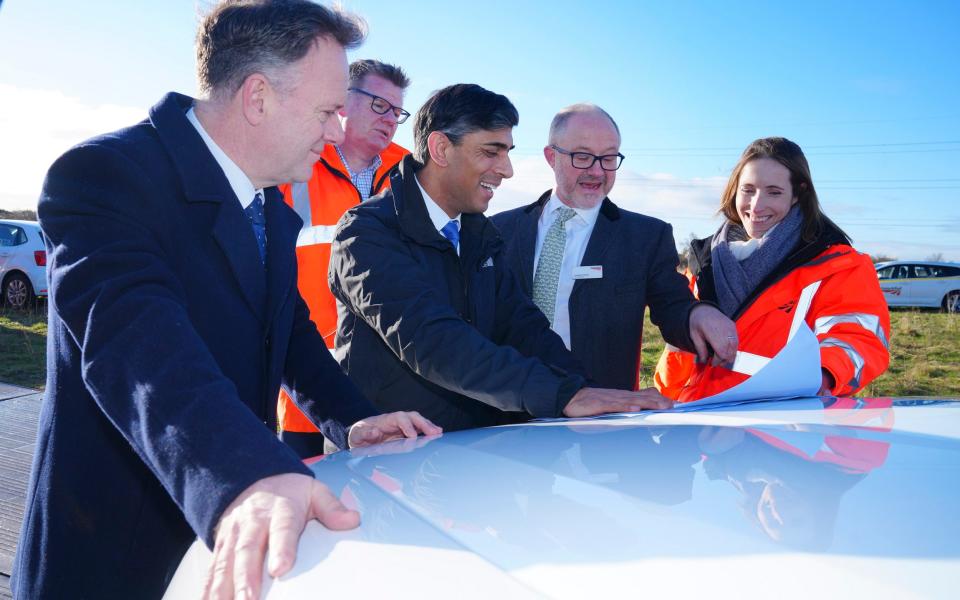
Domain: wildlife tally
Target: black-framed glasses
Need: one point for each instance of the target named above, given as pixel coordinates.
(585, 160)
(381, 106)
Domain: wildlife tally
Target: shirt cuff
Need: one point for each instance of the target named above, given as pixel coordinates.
(567, 390)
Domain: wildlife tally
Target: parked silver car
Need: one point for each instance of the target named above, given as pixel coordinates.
(921, 284)
(806, 498)
(23, 264)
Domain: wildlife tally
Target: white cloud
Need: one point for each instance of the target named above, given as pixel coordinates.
(38, 126)
(531, 177)
(689, 204)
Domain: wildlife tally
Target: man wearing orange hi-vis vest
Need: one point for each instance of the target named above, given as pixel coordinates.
(345, 175)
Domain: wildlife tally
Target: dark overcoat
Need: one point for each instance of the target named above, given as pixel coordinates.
(167, 344)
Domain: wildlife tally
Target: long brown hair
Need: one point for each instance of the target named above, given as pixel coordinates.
(790, 156)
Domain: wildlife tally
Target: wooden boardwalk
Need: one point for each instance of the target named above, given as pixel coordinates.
(19, 409)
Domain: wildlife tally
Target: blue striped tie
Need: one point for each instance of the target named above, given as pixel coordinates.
(258, 221)
(451, 231)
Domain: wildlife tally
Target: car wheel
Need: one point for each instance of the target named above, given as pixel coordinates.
(951, 302)
(17, 292)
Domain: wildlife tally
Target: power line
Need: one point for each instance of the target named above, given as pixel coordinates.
(781, 125)
(663, 154)
(818, 146)
(889, 187)
(642, 178)
(925, 180)
(852, 221)
(643, 182)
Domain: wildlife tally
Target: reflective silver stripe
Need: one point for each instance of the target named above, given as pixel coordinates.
(803, 305)
(869, 322)
(301, 203)
(745, 362)
(318, 234)
(851, 353)
(749, 364)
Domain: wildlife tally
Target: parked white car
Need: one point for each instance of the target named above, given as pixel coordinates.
(921, 283)
(805, 498)
(23, 264)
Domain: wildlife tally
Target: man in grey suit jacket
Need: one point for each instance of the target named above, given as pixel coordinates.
(592, 267)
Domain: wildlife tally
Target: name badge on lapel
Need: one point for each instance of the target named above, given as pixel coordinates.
(591, 272)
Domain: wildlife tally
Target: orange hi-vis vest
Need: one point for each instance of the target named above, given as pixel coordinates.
(839, 297)
(321, 202)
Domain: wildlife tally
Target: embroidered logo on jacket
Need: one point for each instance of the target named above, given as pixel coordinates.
(788, 307)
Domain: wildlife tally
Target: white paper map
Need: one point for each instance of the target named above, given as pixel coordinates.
(793, 373)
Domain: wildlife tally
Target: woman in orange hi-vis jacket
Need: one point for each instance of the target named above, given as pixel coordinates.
(778, 259)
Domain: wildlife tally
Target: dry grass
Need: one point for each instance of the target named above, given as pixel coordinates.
(925, 349)
(23, 347)
(925, 356)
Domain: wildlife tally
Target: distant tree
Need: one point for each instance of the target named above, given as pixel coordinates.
(684, 251)
(879, 258)
(935, 257)
(20, 215)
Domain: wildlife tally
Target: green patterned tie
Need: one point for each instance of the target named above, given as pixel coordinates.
(548, 267)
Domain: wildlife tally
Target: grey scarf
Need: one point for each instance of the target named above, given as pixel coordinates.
(735, 280)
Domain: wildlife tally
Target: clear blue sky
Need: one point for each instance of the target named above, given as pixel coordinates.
(871, 91)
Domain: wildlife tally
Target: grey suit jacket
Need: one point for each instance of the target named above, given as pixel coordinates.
(639, 260)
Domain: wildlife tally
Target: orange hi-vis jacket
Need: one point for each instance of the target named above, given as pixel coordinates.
(846, 451)
(321, 202)
(845, 309)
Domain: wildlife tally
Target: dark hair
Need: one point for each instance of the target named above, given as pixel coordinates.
(561, 118)
(790, 156)
(366, 66)
(457, 110)
(241, 37)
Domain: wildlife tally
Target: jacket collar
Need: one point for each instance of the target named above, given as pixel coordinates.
(608, 209)
(527, 239)
(600, 238)
(477, 234)
(604, 233)
(389, 158)
(202, 178)
(392, 155)
(283, 226)
(203, 183)
(805, 254)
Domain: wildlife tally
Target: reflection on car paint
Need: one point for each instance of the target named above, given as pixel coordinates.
(508, 493)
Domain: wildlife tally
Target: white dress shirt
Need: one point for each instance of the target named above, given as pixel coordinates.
(438, 216)
(238, 180)
(578, 230)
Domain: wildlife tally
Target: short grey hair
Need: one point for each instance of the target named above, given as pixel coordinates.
(560, 120)
(242, 37)
(359, 69)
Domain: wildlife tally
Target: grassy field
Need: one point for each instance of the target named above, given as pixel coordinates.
(23, 347)
(925, 348)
